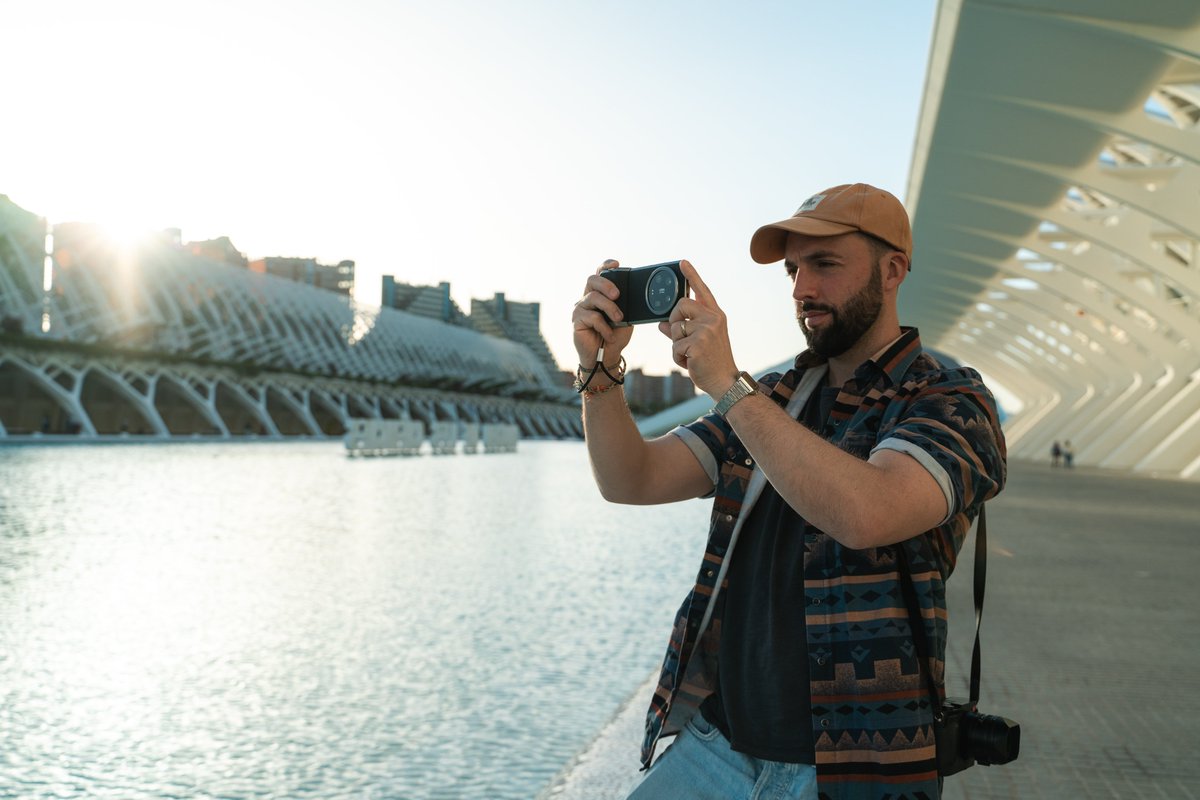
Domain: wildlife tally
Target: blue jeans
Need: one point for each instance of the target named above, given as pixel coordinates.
(699, 765)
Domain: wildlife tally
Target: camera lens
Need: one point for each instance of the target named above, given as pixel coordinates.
(992, 739)
(662, 291)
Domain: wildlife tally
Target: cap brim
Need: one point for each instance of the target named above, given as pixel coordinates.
(769, 242)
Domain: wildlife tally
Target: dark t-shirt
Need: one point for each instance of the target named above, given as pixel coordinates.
(760, 704)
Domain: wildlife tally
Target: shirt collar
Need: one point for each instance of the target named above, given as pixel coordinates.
(892, 360)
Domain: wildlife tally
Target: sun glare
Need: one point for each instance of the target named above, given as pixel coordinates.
(125, 232)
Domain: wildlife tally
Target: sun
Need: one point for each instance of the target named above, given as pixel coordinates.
(121, 233)
(125, 232)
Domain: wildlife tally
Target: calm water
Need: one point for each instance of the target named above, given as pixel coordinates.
(279, 620)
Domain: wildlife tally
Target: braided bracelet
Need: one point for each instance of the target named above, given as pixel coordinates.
(581, 385)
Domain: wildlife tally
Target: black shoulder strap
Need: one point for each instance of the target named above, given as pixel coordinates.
(980, 580)
(918, 625)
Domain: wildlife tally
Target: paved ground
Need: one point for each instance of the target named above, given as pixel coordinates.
(1091, 640)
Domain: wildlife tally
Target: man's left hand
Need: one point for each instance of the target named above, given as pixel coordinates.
(700, 337)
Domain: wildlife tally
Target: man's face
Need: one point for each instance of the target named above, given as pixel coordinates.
(838, 290)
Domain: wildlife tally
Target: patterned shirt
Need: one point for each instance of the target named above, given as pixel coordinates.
(871, 716)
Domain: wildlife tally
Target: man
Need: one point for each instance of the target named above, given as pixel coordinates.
(791, 669)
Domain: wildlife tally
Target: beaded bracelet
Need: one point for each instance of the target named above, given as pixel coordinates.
(599, 390)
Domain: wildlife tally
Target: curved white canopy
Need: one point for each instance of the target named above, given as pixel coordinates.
(1055, 196)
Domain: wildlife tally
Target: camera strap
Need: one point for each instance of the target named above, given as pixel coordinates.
(918, 626)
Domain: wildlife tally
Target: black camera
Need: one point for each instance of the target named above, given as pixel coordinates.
(966, 737)
(647, 293)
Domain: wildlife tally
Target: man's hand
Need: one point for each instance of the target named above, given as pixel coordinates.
(591, 328)
(700, 336)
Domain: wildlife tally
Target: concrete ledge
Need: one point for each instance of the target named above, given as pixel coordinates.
(609, 767)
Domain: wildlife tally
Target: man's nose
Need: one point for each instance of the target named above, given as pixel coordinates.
(803, 287)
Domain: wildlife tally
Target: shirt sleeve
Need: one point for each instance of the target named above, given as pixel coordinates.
(709, 436)
(952, 428)
(706, 438)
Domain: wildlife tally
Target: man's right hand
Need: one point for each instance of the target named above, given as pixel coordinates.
(591, 328)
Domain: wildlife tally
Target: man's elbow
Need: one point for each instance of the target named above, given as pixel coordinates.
(875, 526)
(904, 502)
(613, 494)
(856, 538)
(621, 492)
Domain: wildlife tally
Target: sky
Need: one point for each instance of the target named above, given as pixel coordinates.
(500, 146)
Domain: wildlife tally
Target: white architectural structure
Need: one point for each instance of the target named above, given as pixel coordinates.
(1055, 196)
(157, 341)
(1055, 193)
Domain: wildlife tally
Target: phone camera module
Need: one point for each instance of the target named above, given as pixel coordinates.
(662, 291)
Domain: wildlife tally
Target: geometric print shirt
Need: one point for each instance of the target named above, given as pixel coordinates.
(871, 715)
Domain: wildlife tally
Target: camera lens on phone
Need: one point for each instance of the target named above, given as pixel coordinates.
(661, 291)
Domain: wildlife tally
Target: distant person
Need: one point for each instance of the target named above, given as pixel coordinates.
(1056, 452)
(865, 446)
(1068, 454)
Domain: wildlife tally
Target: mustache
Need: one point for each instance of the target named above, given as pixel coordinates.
(805, 306)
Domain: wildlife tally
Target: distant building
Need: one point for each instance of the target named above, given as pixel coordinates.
(219, 249)
(647, 394)
(331, 277)
(433, 302)
(520, 322)
(499, 316)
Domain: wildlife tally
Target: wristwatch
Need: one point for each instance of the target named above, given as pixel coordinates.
(744, 386)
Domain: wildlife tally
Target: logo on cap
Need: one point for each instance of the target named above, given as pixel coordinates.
(810, 204)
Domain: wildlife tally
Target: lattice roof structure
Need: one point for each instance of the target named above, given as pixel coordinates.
(161, 298)
(1055, 195)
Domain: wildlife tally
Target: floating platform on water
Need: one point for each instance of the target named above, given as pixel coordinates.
(410, 437)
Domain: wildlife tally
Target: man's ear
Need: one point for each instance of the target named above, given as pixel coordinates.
(895, 269)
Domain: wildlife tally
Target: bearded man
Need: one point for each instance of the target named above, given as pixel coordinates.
(791, 670)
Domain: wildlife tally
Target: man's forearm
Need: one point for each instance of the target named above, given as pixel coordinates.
(859, 503)
(615, 445)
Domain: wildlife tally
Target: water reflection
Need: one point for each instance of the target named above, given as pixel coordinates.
(276, 620)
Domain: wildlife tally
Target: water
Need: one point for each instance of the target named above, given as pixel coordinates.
(279, 620)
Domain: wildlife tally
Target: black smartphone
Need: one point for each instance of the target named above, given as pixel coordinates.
(647, 293)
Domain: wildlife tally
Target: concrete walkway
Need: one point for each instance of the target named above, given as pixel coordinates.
(1091, 640)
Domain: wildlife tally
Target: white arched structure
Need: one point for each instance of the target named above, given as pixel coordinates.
(1055, 196)
(225, 341)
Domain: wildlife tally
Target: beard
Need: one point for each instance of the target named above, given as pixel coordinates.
(849, 323)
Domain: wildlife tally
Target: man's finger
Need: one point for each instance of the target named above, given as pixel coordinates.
(595, 321)
(699, 288)
(686, 308)
(601, 286)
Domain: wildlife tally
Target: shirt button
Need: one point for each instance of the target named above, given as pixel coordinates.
(816, 601)
(708, 573)
(821, 661)
(824, 723)
(729, 517)
(749, 461)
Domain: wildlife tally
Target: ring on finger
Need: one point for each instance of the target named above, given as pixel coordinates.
(683, 327)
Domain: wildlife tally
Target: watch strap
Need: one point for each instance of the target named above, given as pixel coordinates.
(743, 387)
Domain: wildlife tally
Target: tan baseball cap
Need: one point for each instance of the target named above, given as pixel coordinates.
(841, 209)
